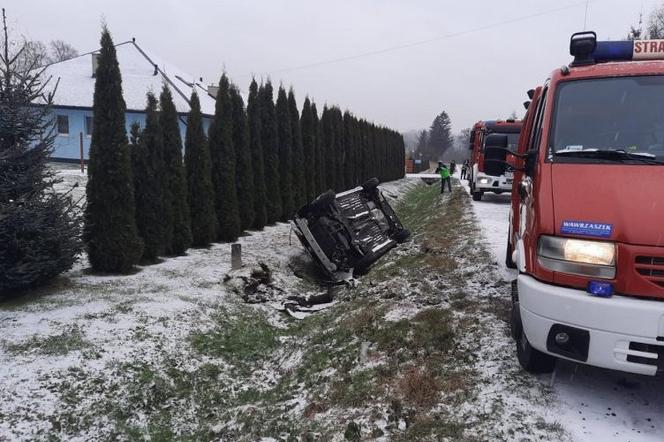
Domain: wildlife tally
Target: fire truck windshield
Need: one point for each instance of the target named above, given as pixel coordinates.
(622, 115)
(512, 140)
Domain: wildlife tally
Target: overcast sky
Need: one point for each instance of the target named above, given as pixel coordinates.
(470, 66)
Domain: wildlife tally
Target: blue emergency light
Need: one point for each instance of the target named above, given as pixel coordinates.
(587, 50)
(601, 289)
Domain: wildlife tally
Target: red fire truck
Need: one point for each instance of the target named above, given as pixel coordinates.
(479, 180)
(587, 217)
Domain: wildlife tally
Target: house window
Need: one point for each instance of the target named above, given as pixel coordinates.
(88, 126)
(62, 123)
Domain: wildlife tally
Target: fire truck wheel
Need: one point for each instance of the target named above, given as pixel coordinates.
(509, 262)
(532, 360)
(477, 196)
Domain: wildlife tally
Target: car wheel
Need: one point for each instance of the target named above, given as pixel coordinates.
(531, 359)
(401, 236)
(322, 201)
(371, 185)
(477, 196)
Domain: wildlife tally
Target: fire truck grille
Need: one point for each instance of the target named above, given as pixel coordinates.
(652, 268)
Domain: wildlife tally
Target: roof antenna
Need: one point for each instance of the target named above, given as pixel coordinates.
(585, 16)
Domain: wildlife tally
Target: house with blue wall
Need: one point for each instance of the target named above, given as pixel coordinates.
(142, 72)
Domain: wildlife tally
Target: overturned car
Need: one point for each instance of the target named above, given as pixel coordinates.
(346, 233)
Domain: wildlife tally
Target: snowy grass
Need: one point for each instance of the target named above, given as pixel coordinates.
(418, 350)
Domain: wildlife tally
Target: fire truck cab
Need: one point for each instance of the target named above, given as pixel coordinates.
(587, 216)
(479, 180)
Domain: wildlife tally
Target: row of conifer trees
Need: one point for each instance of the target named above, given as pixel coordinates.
(255, 166)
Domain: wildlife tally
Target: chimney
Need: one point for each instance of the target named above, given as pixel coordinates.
(95, 64)
(212, 90)
(156, 70)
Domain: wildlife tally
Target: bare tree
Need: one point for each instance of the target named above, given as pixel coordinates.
(655, 28)
(33, 54)
(61, 51)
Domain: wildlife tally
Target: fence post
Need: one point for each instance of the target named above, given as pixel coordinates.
(80, 142)
(236, 256)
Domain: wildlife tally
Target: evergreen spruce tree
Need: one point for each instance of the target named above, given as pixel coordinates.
(270, 142)
(110, 231)
(178, 236)
(148, 195)
(285, 137)
(39, 227)
(244, 181)
(223, 165)
(299, 166)
(258, 164)
(308, 151)
(199, 178)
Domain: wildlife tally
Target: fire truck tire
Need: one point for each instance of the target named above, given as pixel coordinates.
(371, 185)
(509, 262)
(477, 196)
(530, 359)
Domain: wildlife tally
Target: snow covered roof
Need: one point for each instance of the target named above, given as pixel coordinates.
(139, 76)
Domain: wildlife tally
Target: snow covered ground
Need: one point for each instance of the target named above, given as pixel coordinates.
(594, 404)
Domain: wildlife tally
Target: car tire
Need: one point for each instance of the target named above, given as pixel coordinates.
(401, 236)
(530, 359)
(371, 185)
(509, 262)
(322, 201)
(477, 196)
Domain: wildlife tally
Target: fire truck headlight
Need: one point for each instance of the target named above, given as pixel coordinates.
(484, 180)
(577, 256)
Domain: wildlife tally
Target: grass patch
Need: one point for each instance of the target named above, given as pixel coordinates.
(241, 340)
(55, 345)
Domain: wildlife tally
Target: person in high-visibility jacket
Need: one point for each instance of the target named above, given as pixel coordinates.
(444, 177)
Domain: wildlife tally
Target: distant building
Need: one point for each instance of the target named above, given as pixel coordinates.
(141, 73)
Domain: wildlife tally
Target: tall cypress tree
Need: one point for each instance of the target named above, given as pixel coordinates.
(308, 150)
(110, 231)
(178, 237)
(326, 146)
(298, 165)
(199, 178)
(319, 173)
(258, 164)
(270, 142)
(349, 143)
(223, 165)
(285, 137)
(244, 171)
(339, 150)
(148, 195)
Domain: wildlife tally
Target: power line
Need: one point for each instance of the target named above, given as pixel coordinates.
(430, 40)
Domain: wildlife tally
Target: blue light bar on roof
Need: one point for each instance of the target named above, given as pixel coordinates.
(613, 51)
(628, 50)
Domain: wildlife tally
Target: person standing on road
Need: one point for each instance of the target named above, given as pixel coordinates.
(444, 177)
(464, 169)
(452, 167)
